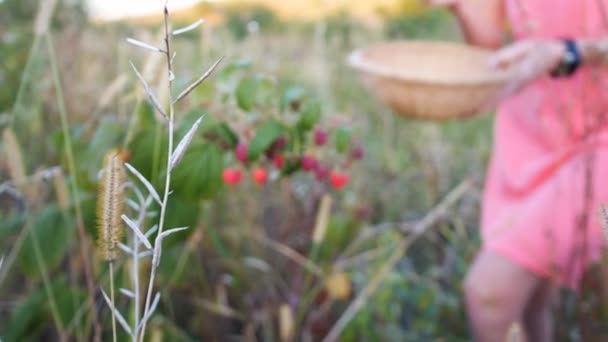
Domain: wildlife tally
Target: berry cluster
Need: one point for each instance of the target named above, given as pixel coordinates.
(281, 158)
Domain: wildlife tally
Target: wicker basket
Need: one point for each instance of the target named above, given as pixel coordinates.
(430, 80)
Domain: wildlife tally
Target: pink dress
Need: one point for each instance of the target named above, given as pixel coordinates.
(549, 169)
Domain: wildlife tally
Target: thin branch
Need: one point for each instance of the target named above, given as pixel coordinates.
(125, 248)
(149, 92)
(189, 27)
(291, 254)
(180, 150)
(119, 316)
(141, 44)
(127, 293)
(136, 230)
(146, 183)
(219, 309)
(149, 312)
(196, 83)
(171, 231)
(151, 231)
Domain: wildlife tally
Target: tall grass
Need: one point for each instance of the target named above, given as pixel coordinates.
(111, 193)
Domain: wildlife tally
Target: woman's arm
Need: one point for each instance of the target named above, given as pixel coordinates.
(481, 20)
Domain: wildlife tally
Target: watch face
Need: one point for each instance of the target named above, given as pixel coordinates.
(569, 57)
(570, 61)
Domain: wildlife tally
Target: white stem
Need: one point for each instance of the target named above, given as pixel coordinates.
(158, 240)
(135, 269)
(113, 302)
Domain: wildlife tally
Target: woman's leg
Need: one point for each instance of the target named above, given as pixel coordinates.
(538, 319)
(497, 292)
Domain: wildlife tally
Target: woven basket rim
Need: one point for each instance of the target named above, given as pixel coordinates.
(358, 61)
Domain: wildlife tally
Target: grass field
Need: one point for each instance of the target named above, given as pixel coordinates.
(291, 257)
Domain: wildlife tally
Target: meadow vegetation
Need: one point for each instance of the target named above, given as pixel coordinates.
(312, 212)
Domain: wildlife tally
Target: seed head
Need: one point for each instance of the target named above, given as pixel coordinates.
(110, 204)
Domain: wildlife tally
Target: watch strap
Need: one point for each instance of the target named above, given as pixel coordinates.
(570, 62)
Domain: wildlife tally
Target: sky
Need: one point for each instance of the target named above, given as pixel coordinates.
(112, 9)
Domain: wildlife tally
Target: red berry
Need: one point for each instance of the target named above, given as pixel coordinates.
(320, 136)
(358, 153)
(321, 172)
(241, 152)
(232, 176)
(279, 144)
(260, 175)
(278, 161)
(338, 180)
(308, 163)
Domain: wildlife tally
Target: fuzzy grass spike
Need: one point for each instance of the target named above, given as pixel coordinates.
(110, 205)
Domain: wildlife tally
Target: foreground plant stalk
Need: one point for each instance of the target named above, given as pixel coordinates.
(163, 208)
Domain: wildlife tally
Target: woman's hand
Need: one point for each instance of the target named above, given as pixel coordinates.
(527, 60)
(452, 5)
(442, 3)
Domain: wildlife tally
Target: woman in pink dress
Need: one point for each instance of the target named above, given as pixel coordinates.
(549, 171)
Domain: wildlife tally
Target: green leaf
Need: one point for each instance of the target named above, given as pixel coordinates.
(68, 299)
(187, 120)
(246, 93)
(266, 93)
(199, 175)
(229, 70)
(107, 136)
(12, 223)
(292, 165)
(181, 213)
(147, 118)
(265, 135)
(341, 230)
(142, 151)
(219, 133)
(26, 318)
(32, 312)
(311, 114)
(342, 139)
(53, 234)
(227, 135)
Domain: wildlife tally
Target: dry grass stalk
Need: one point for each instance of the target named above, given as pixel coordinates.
(322, 219)
(43, 17)
(16, 167)
(112, 91)
(290, 253)
(61, 191)
(286, 322)
(14, 158)
(219, 309)
(110, 205)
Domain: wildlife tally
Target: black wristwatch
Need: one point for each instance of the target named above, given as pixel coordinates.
(570, 61)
